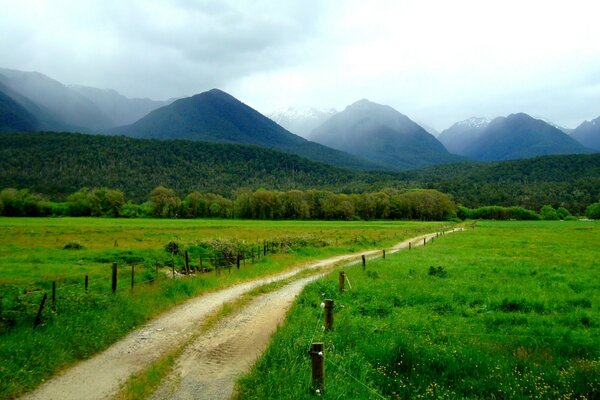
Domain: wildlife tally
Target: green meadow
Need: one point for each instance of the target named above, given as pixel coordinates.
(508, 310)
(34, 252)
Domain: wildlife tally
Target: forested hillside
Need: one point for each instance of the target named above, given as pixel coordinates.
(571, 181)
(57, 164)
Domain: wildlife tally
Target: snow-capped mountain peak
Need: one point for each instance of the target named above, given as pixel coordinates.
(301, 120)
(475, 122)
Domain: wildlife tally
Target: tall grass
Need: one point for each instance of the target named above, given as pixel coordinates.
(512, 313)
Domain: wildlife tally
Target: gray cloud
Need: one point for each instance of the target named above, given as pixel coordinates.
(435, 61)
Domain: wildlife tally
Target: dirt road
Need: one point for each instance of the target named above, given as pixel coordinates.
(101, 376)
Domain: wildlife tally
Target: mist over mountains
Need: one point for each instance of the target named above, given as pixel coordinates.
(301, 121)
(364, 136)
(383, 135)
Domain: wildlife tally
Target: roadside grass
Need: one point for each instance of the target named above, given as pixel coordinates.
(32, 255)
(513, 312)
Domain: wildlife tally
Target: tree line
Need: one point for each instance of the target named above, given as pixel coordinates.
(162, 202)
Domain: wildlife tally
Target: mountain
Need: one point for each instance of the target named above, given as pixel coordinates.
(14, 117)
(588, 134)
(301, 121)
(460, 135)
(429, 129)
(219, 117)
(57, 164)
(62, 104)
(383, 135)
(120, 109)
(520, 136)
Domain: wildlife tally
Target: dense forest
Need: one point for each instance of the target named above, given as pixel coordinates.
(59, 164)
(570, 181)
(56, 164)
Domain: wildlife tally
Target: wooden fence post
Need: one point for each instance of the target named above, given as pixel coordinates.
(53, 295)
(384, 254)
(318, 366)
(86, 282)
(424, 241)
(409, 245)
(328, 314)
(364, 262)
(342, 281)
(264, 248)
(187, 262)
(38, 317)
(114, 277)
(173, 263)
(237, 261)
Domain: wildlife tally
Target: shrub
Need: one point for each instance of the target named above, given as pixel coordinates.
(593, 211)
(563, 213)
(74, 245)
(548, 213)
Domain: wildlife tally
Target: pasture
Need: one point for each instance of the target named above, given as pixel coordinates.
(509, 310)
(34, 252)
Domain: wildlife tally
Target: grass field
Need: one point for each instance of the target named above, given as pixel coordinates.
(513, 313)
(32, 255)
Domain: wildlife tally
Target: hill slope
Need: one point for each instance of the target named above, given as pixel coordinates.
(14, 117)
(118, 108)
(572, 181)
(588, 134)
(57, 164)
(218, 117)
(66, 106)
(462, 134)
(520, 136)
(383, 135)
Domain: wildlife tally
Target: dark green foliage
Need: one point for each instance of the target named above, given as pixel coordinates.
(172, 247)
(593, 211)
(549, 213)
(439, 271)
(74, 245)
(571, 181)
(497, 213)
(58, 164)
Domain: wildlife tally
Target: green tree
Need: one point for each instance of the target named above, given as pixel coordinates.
(593, 211)
(113, 202)
(563, 213)
(549, 213)
(165, 202)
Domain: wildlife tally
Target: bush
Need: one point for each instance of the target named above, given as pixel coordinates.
(563, 213)
(73, 246)
(523, 214)
(593, 211)
(548, 213)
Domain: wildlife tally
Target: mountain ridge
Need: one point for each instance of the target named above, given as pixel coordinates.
(217, 116)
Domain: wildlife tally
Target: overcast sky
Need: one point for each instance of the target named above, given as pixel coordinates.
(436, 61)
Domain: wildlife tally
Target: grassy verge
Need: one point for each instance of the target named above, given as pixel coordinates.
(509, 310)
(83, 323)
